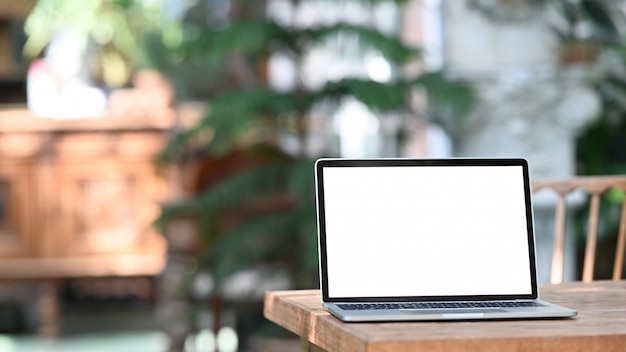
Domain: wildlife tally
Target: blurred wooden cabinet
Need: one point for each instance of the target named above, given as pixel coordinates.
(15, 196)
(78, 197)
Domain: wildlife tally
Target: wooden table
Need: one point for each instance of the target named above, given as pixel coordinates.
(599, 326)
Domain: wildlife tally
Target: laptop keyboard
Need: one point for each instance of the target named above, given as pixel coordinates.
(436, 305)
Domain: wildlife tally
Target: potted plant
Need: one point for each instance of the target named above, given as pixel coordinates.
(254, 200)
(81, 52)
(584, 27)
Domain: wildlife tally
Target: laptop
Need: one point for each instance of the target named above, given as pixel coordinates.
(424, 239)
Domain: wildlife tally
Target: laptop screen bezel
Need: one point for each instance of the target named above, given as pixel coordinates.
(323, 163)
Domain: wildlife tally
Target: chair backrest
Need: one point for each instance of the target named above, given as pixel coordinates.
(595, 187)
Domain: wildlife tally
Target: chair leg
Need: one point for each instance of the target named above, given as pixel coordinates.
(592, 238)
(556, 273)
(621, 243)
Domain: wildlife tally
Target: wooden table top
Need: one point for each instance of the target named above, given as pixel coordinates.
(599, 326)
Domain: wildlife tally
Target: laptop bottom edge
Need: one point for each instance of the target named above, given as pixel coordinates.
(546, 310)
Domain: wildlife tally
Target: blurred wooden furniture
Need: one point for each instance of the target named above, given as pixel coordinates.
(78, 198)
(599, 326)
(595, 187)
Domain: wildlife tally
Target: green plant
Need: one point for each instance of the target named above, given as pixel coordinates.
(600, 23)
(262, 211)
(587, 19)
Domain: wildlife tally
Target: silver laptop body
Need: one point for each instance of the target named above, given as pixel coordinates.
(424, 239)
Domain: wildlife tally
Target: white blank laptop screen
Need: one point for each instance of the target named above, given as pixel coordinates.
(426, 231)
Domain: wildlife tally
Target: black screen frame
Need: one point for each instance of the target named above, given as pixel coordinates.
(323, 163)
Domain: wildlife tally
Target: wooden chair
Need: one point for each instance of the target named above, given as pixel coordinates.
(595, 187)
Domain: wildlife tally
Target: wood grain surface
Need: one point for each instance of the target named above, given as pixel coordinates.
(599, 326)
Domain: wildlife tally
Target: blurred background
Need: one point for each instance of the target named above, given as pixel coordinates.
(156, 156)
